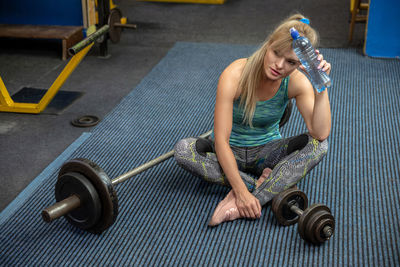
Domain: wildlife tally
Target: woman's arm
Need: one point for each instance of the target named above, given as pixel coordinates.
(227, 92)
(314, 107)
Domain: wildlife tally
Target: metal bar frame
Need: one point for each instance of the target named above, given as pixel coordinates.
(8, 105)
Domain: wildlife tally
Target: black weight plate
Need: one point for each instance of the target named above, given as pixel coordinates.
(89, 211)
(115, 32)
(104, 187)
(312, 233)
(309, 234)
(281, 208)
(318, 228)
(306, 217)
(85, 121)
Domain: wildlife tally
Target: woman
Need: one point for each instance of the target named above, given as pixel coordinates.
(252, 95)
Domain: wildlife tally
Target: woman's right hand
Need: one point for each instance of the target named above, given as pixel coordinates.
(248, 205)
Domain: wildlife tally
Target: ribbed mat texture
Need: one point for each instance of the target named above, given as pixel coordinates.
(164, 211)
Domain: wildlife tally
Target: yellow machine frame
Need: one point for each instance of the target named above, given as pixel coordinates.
(8, 105)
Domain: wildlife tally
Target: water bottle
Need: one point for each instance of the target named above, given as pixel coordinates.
(308, 58)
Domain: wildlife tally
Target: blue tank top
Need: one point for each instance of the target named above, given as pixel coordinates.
(265, 121)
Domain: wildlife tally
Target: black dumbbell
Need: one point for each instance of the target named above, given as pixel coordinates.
(315, 223)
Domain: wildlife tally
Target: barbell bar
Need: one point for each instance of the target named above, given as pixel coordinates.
(88, 40)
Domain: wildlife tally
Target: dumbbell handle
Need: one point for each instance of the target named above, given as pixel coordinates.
(149, 164)
(61, 208)
(327, 230)
(295, 209)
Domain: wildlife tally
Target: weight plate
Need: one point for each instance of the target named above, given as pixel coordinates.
(309, 218)
(320, 235)
(89, 211)
(115, 32)
(104, 187)
(280, 205)
(313, 231)
(85, 121)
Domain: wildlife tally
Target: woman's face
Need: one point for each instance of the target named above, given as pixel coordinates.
(280, 63)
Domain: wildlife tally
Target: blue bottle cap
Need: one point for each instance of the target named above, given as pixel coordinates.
(294, 33)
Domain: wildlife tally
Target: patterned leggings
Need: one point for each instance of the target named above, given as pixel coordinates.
(290, 160)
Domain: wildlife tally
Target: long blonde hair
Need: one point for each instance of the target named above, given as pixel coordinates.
(254, 69)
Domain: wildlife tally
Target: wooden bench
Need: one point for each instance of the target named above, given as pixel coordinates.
(69, 35)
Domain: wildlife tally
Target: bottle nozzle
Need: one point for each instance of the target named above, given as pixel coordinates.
(294, 33)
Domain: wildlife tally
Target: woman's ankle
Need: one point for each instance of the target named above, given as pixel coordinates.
(266, 172)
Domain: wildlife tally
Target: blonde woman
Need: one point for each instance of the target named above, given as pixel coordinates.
(246, 151)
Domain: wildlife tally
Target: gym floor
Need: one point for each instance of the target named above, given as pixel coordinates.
(29, 143)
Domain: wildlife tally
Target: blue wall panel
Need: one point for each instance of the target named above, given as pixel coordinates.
(383, 32)
(41, 12)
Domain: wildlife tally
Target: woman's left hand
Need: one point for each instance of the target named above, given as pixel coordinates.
(323, 65)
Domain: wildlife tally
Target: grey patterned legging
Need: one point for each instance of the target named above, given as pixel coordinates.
(290, 160)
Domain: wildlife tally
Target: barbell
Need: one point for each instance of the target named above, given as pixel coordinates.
(86, 196)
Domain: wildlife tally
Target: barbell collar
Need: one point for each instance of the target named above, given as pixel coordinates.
(61, 208)
(327, 231)
(88, 40)
(149, 164)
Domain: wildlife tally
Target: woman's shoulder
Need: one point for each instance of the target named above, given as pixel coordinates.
(230, 78)
(235, 69)
(240, 62)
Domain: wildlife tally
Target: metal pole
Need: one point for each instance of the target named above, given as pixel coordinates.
(61, 208)
(295, 209)
(88, 40)
(103, 12)
(148, 165)
(130, 26)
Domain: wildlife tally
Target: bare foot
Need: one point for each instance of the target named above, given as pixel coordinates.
(266, 172)
(225, 211)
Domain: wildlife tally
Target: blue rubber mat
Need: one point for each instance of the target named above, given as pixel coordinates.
(164, 211)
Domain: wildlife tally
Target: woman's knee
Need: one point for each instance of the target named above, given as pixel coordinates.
(320, 147)
(203, 163)
(184, 150)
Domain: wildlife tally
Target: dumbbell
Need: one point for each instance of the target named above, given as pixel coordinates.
(315, 223)
(86, 196)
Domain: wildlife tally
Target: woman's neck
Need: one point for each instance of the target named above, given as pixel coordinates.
(267, 89)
